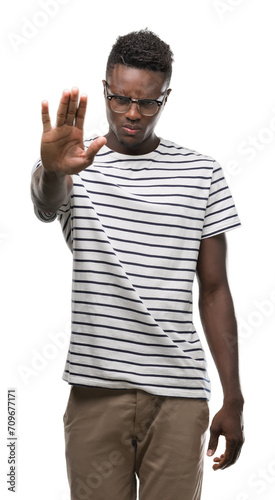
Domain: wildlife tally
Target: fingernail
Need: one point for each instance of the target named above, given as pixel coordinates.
(209, 453)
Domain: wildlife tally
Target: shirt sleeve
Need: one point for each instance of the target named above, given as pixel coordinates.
(221, 214)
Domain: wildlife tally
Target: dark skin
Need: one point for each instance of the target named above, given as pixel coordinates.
(138, 84)
(219, 323)
(63, 154)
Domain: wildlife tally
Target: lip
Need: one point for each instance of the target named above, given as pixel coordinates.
(130, 130)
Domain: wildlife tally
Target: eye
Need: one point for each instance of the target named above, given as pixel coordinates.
(121, 100)
(148, 103)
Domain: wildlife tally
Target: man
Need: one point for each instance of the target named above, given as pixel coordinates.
(141, 216)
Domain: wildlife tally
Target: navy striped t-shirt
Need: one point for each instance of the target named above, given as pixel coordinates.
(134, 225)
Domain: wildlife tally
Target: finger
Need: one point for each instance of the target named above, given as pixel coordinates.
(232, 459)
(229, 457)
(46, 117)
(63, 108)
(81, 112)
(223, 463)
(72, 107)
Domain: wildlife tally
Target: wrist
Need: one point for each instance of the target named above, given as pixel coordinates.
(50, 190)
(234, 399)
(50, 175)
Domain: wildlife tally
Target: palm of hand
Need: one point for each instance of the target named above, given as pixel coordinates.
(62, 148)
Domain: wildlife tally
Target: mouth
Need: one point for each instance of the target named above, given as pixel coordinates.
(130, 130)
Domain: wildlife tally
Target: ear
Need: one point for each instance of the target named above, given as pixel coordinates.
(167, 94)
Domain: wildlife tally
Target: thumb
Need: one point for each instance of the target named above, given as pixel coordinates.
(213, 442)
(94, 148)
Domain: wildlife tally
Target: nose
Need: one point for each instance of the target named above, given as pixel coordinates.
(133, 113)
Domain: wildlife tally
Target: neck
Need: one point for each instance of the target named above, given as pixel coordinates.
(132, 149)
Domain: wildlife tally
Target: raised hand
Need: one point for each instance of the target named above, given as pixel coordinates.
(62, 148)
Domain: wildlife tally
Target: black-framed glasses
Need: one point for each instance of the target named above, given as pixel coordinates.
(122, 104)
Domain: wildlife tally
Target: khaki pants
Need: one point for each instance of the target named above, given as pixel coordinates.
(112, 436)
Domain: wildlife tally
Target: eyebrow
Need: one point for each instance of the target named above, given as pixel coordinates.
(139, 99)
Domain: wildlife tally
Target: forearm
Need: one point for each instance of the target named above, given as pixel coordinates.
(220, 327)
(49, 190)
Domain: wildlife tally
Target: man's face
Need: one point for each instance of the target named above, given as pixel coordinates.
(132, 133)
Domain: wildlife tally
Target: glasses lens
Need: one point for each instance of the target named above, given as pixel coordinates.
(148, 107)
(120, 104)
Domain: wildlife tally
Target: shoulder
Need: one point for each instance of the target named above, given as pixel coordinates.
(173, 149)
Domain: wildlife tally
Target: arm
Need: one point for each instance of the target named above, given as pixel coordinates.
(219, 323)
(62, 152)
(49, 191)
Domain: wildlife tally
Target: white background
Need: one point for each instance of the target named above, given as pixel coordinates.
(223, 105)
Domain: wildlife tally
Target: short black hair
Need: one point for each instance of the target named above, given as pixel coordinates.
(141, 49)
